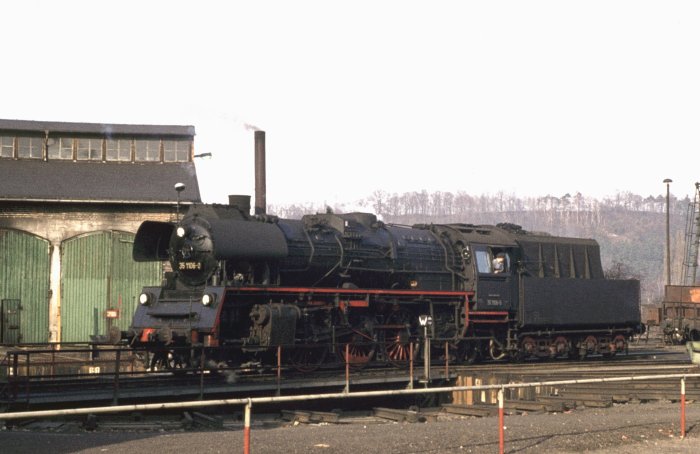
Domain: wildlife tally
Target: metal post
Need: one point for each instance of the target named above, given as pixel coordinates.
(447, 360)
(179, 187)
(28, 377)
(246, 427)
(177, 207)
(501, 435)
(117, 367)
(426, 356)
(279, 368)
(410, 365)
(15, 365)
(426, 321)
(201, 374)
(683, 407)
(347, 368)
(668, 182)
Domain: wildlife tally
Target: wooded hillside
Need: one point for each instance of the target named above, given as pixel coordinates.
(631, 229)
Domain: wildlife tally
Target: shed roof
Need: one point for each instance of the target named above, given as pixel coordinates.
(96, 182)
(95, 128)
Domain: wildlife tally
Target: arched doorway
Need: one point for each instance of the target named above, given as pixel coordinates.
(99, 274)
(24, 287)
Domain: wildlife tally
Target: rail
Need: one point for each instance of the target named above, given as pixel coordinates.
(249, 402)
(24, 372)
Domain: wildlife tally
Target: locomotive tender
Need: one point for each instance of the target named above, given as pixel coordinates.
(352, 286)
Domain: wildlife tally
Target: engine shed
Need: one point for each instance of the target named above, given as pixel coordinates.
(72, 196)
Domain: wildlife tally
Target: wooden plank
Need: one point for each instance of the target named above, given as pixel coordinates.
(403, 415)
(471, 410)
(310, 416)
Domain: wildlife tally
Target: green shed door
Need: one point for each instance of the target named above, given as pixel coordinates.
(98, 274)
(24, 283)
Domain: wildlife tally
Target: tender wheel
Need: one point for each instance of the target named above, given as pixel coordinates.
(528, 347)
(588, 345)
(559, 347)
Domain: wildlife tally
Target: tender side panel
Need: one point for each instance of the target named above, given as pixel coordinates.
(561, 257)
(579, 303)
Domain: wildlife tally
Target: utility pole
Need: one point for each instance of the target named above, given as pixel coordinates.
(668, 182)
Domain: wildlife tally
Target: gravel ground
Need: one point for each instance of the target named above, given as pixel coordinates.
(630, 428)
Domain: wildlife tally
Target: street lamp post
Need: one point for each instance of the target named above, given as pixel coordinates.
(668, 182)
(179, 187)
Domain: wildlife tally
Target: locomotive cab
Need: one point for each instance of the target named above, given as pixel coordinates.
(496, 278)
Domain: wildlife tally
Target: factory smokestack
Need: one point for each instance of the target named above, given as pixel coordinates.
(260, 189)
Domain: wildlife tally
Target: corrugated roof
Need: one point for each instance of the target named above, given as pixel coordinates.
(68, 181)
(95, 128)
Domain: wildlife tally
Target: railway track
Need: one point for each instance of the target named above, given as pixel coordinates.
(553, 399)
(667, 361)
(135, 383)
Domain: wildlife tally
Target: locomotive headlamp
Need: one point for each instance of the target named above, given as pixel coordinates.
(207, 299)
(145, 298)
(180, 232)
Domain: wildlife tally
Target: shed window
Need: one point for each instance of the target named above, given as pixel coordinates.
(147, 150)
(118, 150)
(60, 148)
(7, 147)
(30, 147)
(89, 149)
(176, 150)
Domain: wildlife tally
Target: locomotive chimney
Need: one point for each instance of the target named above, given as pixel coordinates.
(260, 191)
(240, 201)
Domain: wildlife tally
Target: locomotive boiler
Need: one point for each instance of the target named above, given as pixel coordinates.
(350, 288)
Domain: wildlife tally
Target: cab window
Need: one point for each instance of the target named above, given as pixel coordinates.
(483, 261)
(492, 260)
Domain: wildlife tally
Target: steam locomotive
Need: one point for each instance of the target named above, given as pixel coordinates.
(350, 288)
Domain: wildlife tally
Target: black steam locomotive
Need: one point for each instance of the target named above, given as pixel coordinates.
(352, 288)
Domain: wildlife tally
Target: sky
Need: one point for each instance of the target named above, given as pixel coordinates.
(530, 98)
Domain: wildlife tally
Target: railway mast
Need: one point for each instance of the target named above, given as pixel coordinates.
(692, 240)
